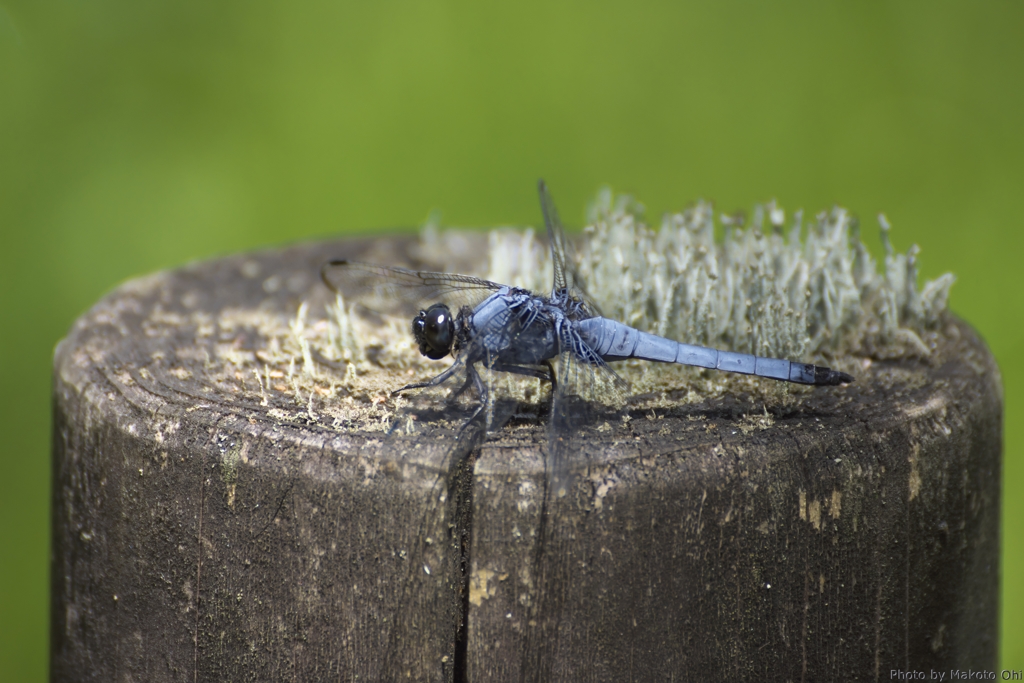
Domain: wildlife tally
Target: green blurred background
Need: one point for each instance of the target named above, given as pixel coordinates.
(140, 135)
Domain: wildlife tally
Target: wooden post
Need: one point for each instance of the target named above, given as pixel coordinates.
(209, 526)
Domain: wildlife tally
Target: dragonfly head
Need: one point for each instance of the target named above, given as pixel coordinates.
(434, 330)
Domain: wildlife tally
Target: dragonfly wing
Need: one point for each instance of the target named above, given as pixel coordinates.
(556, 236)
(383, 285)
(583, 391)
(563, 256)
(586, 393)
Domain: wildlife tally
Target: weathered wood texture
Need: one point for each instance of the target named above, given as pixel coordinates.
(205, 528)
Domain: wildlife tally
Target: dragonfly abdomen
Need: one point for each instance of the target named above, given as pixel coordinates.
(616, 341)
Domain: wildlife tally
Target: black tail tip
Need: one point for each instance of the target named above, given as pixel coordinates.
(837, 377)
(830, 378)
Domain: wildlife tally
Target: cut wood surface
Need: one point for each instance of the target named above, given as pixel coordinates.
(216, 519)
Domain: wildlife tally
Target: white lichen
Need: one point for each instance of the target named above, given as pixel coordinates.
(517, 258)
(761, 289)
(341, 333)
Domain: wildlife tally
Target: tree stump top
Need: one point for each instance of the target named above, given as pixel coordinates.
(218, 339)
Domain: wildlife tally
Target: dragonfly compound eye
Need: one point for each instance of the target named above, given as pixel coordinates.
(434, 330)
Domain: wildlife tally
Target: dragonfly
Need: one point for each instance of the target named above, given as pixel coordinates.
(557, 337)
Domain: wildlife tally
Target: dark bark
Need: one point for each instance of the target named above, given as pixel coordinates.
(202, 532)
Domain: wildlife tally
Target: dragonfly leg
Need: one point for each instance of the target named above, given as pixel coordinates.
(554, 377)
(432, 382)
(472, 377)
(526, 371)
